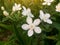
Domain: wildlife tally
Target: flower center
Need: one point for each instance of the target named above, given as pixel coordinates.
(44, 18)
(32, 26)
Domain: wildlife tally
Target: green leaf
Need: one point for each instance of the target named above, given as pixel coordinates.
(11, 39)
(51, 37)
(58, 36)
(1, 43)
(8, 27)
(58, 43)
(57, 26)
(19, 36)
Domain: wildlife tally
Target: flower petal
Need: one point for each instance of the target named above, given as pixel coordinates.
(30, 33)
(44, 3)
(37, 29)
(37, 21)
(45, 20)
(29, 12)
(24, 13)
(31, 15)
(5, 13)
(25, 26)
(58, 7)
(2, 8)
(49, 21)
(48, 3)
(24, 8)
(47, 15)
(41, 14)
(13, 9)
(15, 4)
(19, 5)
(29, 20)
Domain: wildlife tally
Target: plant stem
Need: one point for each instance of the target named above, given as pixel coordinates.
(18, 35)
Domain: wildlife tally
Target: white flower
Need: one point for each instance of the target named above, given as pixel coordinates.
(5, 13)
(58, 8)
(47, 2)
(16, 7)
(27, 12)
(32, 26)
(2, 8)
(45, 17)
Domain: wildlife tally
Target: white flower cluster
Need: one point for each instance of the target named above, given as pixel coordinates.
(47, 2)
(27, 12)
(16, 7)
(32, 26)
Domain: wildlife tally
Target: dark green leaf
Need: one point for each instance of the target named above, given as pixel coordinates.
(58, 43)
